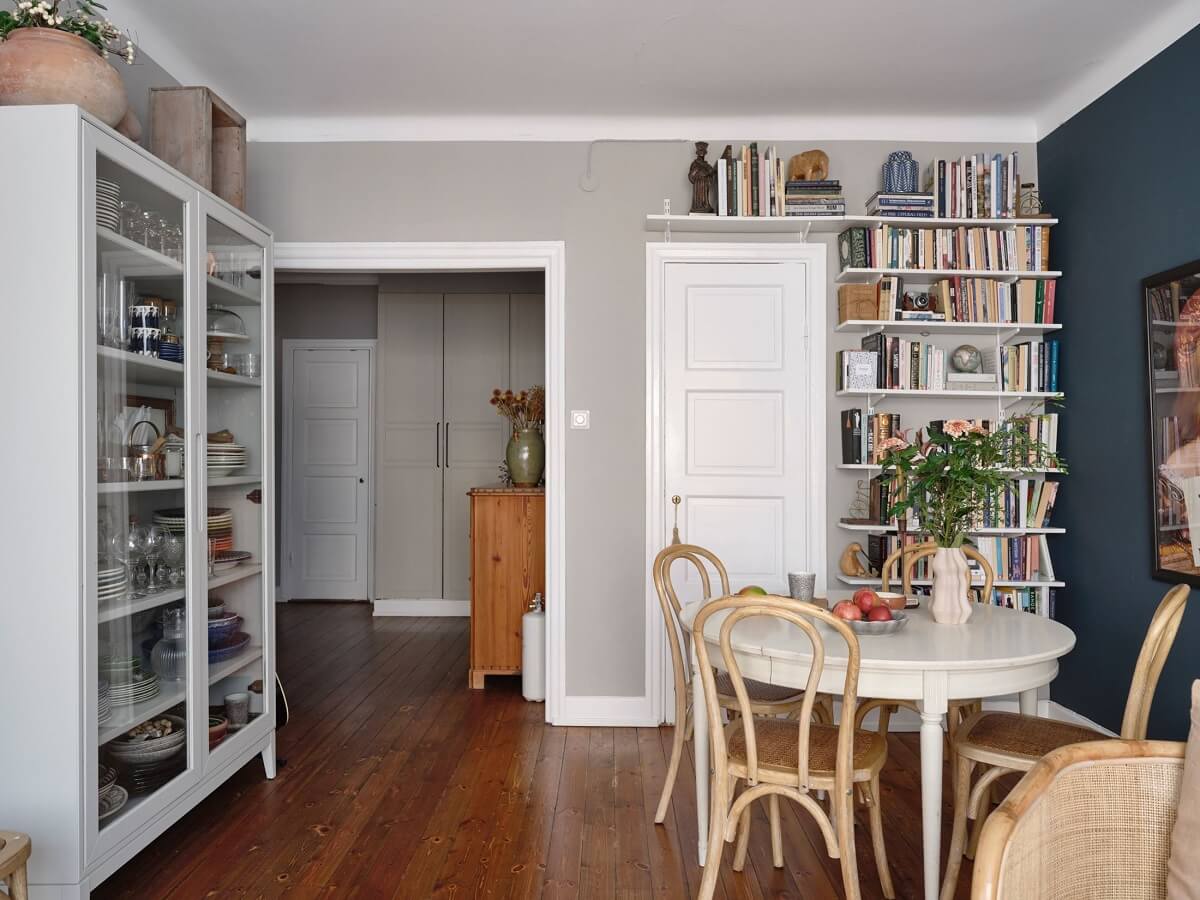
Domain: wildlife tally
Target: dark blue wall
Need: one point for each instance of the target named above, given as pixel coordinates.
(1123, 175)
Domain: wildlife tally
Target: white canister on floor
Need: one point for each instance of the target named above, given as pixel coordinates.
(533, 651)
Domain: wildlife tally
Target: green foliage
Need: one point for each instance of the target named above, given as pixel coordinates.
(84, 18)
(948, 480)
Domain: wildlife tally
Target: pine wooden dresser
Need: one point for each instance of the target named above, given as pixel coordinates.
(508, 566)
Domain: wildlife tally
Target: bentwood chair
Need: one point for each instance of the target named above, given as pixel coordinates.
(765, 699)
(1088, 820)
(14, 855)
(790, 758)
(907, 558)
(1001, 743)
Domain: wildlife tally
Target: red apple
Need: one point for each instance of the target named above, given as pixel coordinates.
(848, 611)
(879, 614)
(865, 598)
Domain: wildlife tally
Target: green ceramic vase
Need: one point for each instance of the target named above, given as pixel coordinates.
(526, 456)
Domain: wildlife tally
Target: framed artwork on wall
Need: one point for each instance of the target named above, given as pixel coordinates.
(1172, 310)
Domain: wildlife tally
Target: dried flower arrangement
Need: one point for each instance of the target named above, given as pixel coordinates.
(84, 18)
(526, 409)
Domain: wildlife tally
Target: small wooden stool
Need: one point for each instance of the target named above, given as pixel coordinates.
(14, 853)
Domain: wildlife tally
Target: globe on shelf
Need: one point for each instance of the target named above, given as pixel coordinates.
(966, 359)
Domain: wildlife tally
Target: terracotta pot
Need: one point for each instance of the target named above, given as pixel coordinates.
(951, 582)
(43, 65)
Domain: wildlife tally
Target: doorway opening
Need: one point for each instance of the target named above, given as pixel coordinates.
(394, 350)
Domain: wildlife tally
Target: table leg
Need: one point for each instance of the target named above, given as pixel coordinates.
(700, 752)
(933, 708)
(1029, 702)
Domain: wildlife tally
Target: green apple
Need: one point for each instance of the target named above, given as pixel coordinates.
(752, 590)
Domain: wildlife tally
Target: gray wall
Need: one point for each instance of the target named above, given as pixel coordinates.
(516, 191)
(144, 74)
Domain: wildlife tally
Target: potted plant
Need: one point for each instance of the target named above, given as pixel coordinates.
(946, 482)
(53, 51)
(526, 452)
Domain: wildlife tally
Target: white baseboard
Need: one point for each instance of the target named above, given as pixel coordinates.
(396, 607)
(612, 712)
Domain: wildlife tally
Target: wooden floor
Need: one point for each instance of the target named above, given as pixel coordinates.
(401, 783)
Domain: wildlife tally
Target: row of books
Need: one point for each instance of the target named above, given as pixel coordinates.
(892, 363)
(975, 187)
(754, 183)
(1026, 599)
(1029, 366)
(986, 300)
(1025, 503)
(1166, 302)
(1022, 249)
(1041, 431)
(863, 432)
(1171, 509)
(1021, 558)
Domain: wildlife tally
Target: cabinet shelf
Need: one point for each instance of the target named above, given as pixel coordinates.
(150, 370)
(162, 598)
(134, 260)
(171, 484)
(169, 694)
(222, 293)
(871, 276)
(1006, 330)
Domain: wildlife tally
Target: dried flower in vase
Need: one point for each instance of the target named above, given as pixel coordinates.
(524, 410)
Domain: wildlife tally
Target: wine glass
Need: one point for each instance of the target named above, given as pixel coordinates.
(156, 542)
(136, 540)
(174, 553)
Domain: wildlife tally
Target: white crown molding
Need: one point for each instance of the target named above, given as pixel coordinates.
(1109, 71)
(641, 128)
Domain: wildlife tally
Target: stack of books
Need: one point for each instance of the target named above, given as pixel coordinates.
(905, 206)
(751, 183)
(863, 432)
(906, 365)
(814, 198)
(1030, 366)
(974, 187)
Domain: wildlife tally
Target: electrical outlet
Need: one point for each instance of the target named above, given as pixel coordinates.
(581, 418)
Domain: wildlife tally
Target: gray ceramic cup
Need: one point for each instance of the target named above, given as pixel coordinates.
(802, 585)
(237, 709)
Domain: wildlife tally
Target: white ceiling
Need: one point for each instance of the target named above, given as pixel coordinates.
(579, 70)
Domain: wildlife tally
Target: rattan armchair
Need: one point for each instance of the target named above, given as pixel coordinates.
(1089, 820)
(766, 699)
(1001, 743)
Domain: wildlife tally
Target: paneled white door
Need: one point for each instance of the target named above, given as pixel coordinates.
(329, 513)
(737, 423)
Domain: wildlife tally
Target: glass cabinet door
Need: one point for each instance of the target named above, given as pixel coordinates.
(236, 460)
(137, 225)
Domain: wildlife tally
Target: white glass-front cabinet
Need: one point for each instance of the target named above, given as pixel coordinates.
(137, 624)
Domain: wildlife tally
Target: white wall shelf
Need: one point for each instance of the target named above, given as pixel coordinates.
(815, 224)
(927, 276)
(982, 532)
(1020, 473)
(926, 582)
(887, 393)
(1006, 330)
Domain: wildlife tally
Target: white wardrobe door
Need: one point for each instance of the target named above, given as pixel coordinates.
(476, 341)
(408, 516)
(527, 340)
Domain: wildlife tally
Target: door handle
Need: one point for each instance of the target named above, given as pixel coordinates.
(437, 444)
(447, 445)
(201, 441)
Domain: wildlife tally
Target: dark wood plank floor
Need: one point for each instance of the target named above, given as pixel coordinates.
(401, 783)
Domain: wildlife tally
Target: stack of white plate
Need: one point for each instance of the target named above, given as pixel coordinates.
(112, 583)
(103, 703)
(139, 687)
(225, 459)
(108, 204)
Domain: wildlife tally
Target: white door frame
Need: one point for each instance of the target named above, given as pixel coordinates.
(287, 493)
(501, 256)
(659, 683)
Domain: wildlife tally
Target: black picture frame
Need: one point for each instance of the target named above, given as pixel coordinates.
(1171, 308)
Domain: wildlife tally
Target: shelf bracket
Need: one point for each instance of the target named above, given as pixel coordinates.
(667, 213)
(1003, 337)
(802, 236)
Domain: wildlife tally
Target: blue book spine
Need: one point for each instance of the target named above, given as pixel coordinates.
(1054, 365)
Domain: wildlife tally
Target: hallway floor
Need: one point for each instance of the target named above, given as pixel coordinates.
(401, 783)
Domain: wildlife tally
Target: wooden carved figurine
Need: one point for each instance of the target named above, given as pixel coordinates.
(701, 176)
(851, 563)
(811, 165)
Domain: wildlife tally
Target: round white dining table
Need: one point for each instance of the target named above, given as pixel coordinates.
(997, 652)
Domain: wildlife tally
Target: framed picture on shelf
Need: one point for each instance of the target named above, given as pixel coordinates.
(1172, 310)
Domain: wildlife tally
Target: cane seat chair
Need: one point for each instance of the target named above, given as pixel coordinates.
(790, 758)
(908, 557)
(1001, 743)
(766, 699)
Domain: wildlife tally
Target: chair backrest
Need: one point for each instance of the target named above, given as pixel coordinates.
(1157, 644)
(668, 596)
(805, 617)
(1088, 820)
(910, 555)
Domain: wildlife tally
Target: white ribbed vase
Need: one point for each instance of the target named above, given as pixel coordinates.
(951, 582)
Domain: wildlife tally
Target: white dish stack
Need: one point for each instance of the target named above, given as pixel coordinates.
(108, 204)
(225, 459)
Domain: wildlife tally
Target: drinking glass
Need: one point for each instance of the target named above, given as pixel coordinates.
(136, 540)
(149, 231)
(156, 542)
(173, 556)
(249, 365)
(133, 226)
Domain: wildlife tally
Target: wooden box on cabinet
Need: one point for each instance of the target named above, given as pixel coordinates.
(202, 136)
(508, 566)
